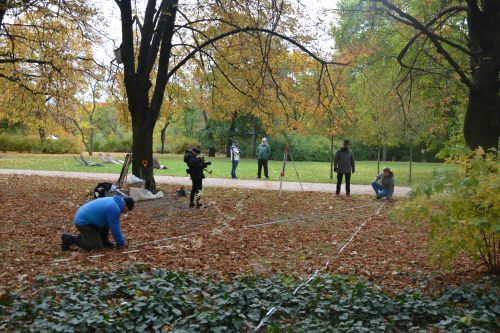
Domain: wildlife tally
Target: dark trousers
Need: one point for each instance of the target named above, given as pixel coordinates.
(347, 182)
(196, 187)
(262, 163)
(233, 170)
(92, 237)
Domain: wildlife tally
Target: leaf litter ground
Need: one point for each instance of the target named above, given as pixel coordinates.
(309, 228)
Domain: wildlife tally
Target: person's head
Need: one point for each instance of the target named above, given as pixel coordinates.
(196, 151)
(235, 142)
(129, 204)
(347, 143)
(387, 171)
(264, 141)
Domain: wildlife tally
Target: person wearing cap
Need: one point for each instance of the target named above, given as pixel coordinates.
(196, 166)
(263, 154)
(235, 158)
(386, 186)
(343, 164)
(95, 219)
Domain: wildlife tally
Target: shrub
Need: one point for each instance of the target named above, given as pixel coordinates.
(19, 143)
(61, 146)
(180, 144)
(114, 143)
(463, 209)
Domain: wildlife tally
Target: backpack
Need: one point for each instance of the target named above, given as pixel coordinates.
(101, 189)
(187, 155)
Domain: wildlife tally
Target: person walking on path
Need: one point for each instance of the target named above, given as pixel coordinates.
(344, 165)
(386, 186)
(196, 164)
(263, 154)
(95, 219)
(235, 158)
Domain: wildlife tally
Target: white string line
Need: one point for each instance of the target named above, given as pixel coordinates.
(145, 243)
(193, 234)
(273, 309)
(302, 217)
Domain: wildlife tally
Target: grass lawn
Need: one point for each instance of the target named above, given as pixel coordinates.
(221, 167)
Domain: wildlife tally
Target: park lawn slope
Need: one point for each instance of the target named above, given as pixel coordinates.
(314, 172)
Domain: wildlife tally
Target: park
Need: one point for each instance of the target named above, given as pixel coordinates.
(249, 166)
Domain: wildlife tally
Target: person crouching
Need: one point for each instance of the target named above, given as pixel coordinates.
(386, 186)
(95, 219)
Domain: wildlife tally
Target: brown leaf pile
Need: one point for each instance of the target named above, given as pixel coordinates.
(36, 211)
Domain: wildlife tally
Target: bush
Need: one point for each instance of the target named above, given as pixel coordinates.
(61, 146)
(463, 209)
(19, 143)
(114, 143)
(182, 143)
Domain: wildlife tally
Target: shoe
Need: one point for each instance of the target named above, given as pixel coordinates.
(67, 241)
(191, 205)
(200, 205)
(348, 194)
(108, 244)
(378, 198)
(337, 194)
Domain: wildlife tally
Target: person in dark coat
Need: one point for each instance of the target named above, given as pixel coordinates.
(196, 164)
(344, 165)
(95, 220)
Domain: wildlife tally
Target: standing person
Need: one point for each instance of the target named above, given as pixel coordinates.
(263, 154)
(386, 186)
(235, 158)
(196, 164)
(95, 219)
(344, 165)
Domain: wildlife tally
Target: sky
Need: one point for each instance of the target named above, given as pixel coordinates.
(321, 14)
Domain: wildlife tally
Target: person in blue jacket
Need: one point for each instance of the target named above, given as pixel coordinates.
(95, 219)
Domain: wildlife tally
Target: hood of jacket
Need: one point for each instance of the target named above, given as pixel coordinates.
(120, 202)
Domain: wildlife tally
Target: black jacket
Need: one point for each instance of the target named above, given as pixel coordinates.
(196, 167)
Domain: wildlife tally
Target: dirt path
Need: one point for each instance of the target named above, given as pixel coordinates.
(399, 191)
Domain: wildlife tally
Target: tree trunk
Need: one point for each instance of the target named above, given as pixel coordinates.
(378, 158)
(163, 136)
(411, 160)
(91, 142)
(254, 138)
(142, 154)
(41, 133)
(482, 119)
(384, 152)
(210, 135)
(331, 157)
(230, 135)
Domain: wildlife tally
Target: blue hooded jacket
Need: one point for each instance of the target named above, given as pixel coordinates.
(101, 213)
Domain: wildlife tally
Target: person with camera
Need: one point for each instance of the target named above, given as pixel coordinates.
(196, 164)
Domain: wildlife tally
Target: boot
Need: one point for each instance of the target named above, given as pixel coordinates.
(68, 240)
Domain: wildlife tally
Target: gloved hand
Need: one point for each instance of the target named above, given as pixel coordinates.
(335, 169)
(352, 170)
(208, 163)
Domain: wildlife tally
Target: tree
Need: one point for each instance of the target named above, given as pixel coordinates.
(31, 51)
(481, 20)
(156, 51)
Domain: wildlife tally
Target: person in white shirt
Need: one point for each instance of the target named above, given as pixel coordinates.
(235, 157)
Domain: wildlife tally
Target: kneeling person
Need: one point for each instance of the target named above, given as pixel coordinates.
(95, 219)
(386, 186)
